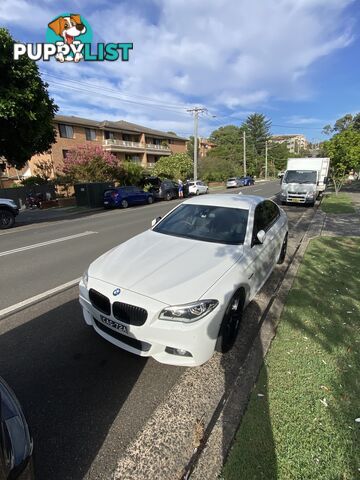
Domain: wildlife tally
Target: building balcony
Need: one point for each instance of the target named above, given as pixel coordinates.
(127, 146)
(158, 149)
(123, 146)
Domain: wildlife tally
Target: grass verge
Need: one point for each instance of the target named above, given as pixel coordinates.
(340, 203)
(300, 421)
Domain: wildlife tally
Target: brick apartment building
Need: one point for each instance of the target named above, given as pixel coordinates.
(128, 141)
(204, 146)
(294, 142)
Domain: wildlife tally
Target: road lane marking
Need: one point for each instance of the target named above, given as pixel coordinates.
(43, 244)
(37, 298)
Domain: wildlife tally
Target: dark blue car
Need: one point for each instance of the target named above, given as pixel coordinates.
(246, 181)
(125, 196)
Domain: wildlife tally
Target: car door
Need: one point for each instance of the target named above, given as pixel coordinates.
(261, 253)
(139, 196)
(274, 231)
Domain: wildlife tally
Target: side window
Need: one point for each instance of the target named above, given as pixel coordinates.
(271, 212)
(259, 219)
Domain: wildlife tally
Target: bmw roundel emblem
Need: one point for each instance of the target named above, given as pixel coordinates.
(116, 292)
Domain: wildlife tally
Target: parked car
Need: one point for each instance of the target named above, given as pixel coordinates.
(8, 211)
(16, 445)
(197, 187)
(177, 291)
(125, 196)
(247, 181)
(233, 182)
(162, 189)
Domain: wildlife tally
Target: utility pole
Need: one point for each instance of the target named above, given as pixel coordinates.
(266, 160)
(196, 111)
(244, 147)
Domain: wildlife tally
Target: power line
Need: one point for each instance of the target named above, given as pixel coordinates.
(110, 90)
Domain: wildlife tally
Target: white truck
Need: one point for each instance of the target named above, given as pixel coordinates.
(304, 180)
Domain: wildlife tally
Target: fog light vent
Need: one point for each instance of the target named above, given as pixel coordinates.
(178, 351)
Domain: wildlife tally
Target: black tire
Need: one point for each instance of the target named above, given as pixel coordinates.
(7, 219)
(150, 200)
(168, 196)
(231, 322)
(283, 250)
(207, 190)
(124, 203)
(283, 203)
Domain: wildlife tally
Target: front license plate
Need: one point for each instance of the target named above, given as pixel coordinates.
(112, 324)
(296, 200)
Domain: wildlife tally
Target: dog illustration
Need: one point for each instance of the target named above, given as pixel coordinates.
(68, 28)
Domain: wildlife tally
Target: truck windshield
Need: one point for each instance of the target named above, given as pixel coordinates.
(300, 176)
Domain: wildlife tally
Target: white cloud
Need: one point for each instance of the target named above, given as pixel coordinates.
(225, 54)
(299, 120)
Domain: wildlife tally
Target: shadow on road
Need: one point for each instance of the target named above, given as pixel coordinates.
(71, 383)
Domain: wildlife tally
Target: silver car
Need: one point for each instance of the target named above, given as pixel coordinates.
(233, 182)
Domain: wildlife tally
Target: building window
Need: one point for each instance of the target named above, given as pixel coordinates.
(109, 135)
(132, 158)
(90, 134)
(64, 153)
(66, 131)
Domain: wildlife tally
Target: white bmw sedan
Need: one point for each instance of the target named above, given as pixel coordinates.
(177, 291)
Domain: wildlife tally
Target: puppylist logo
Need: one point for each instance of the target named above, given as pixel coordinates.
(68, 39)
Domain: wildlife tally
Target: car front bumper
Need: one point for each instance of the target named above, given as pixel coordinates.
(155, 337)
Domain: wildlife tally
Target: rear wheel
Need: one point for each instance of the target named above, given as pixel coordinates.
(124, 203)
(231, 322)
(283, 250)
(7, 219)
(150, 200)
(168, 196)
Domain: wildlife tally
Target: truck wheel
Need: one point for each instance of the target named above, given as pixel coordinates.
(7, 219)
(231, 323)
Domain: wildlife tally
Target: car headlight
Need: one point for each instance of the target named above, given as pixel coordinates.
(310, 194)
(85, 278)
(189, 312)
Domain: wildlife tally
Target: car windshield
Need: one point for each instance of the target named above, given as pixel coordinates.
(231, 179)
(206, 223)
(300, 176)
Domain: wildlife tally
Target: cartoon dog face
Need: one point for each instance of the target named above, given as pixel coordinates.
(68, 27)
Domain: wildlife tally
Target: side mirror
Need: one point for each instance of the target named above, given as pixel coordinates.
(261, 235)
(155, 221)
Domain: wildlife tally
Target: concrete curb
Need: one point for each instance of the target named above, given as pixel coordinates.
(209, 462)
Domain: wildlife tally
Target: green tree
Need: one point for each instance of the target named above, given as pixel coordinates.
(257, 131)
(257, 128)
(278, 154)
(344, 152)
(190, 147)
(26, 111)
(217, 169)
(176, 166)
(129, 173)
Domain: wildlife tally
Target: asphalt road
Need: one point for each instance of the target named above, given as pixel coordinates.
(85, 399)
(77, 242)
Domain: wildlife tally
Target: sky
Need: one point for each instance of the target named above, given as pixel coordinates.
(295, 61)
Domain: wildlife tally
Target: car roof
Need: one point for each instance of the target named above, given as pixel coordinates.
(245, 202)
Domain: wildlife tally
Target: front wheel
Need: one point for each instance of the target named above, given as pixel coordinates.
(7, 219)
(124, 204)
(231, 323)
(150, 200)
(168, 197)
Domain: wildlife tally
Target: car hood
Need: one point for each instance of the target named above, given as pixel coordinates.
(166, 268)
